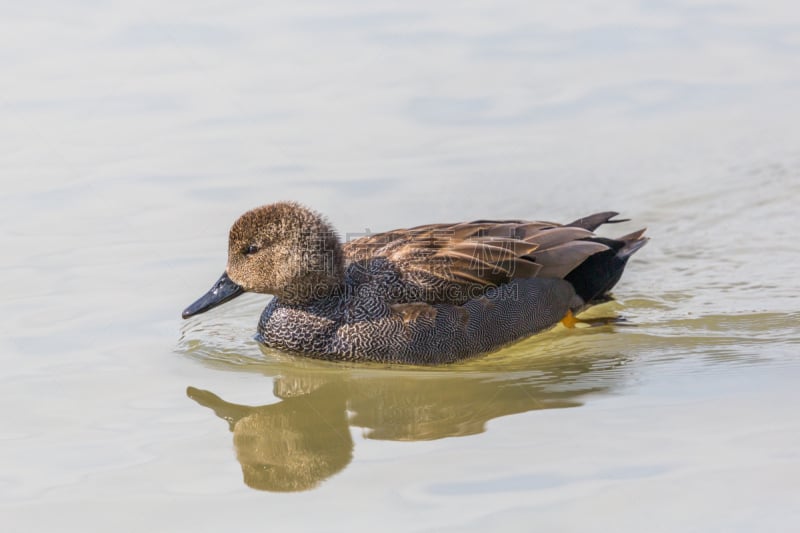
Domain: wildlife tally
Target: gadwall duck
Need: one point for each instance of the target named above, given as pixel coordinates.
(426, 295)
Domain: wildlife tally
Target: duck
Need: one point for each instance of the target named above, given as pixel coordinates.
(426, 295)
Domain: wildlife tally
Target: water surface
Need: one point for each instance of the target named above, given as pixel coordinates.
(134, 135)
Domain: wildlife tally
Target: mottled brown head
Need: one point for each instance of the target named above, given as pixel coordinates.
(287, 250)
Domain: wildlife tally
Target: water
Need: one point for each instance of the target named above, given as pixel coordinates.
(134, 135)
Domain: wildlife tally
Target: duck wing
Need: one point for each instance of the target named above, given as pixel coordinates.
(454, 263)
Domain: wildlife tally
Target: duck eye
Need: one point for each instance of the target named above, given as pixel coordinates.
(251, 249)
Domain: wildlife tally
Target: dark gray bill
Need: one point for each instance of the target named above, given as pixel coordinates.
(222, 291)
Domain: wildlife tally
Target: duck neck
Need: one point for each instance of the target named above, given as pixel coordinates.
(322, 276)
(305, 294)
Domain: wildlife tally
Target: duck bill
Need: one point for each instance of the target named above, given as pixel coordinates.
(222, 291)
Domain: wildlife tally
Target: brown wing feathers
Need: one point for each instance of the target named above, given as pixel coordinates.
(485, 253)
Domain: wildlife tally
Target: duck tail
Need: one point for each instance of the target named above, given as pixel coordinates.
(592, 222)
(598, 274)
(632, 242)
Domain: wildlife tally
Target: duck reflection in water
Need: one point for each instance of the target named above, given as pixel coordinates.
(291, 445)
(295, 444)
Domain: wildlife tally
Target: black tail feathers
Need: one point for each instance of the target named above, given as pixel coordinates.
(596, 276)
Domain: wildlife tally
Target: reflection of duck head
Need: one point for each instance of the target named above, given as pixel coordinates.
(290, 445)
(294, 444)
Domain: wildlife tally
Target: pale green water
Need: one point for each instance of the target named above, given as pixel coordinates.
(133, 136)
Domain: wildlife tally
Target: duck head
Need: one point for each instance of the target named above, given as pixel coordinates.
(283, 249)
